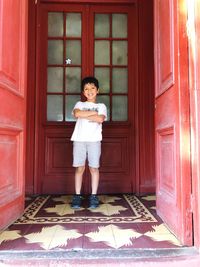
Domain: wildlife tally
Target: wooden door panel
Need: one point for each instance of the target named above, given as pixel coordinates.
(171, 119)
(165, 24)
(13, 49)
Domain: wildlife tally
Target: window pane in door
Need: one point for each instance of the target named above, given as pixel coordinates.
(69, 104)
(73, 80)
(102, 53)
(55, 52)
(119, 80)
(55, 24)
(102, 26)
(119, 25)
(73, 51)
(119, 52)
(73, 25)
(106, 100)
(55, 80)
(103, 75)
(54, 108)
(119, 108)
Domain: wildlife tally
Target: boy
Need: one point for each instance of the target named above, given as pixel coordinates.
(86, 137)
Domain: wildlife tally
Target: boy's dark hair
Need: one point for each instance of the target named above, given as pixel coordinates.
(89, 80)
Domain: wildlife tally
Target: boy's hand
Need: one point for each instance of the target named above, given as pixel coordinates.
(96, 118)
(84, 113)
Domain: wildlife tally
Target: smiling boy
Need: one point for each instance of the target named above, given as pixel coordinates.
(86, 137)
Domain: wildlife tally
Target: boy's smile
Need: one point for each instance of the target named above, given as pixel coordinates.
(90, 92)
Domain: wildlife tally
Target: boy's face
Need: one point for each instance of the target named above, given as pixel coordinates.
(90, 91)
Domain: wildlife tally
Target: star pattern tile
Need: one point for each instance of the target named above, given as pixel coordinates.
(9, 235)
(62, 210)
(113, 236)
(108, 210)
(53, 236)
(161, 233)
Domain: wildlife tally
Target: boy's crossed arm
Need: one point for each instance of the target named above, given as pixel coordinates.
(90, 115)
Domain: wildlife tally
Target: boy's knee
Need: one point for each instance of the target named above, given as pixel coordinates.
(94, 170)
(80, 169)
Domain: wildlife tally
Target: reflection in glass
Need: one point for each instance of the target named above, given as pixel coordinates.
(103, 75)
(119, 25)
(102, 53)
(73, 24)
(106, 100)
(73, 80)
(102, 25)
(55, 80)
(73, 51)
(54, 108)
(55, 52)
(119, 52)
(119, 108)
(55, 24)
(119, 80)
(69, 105)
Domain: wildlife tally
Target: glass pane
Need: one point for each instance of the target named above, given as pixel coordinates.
(102, 25)
(73, 80)
(102, 53)
(119, 108)
(119, 25)
(119, 52)
(55, 52)
(106, 100)
(69, 104)
(119, 80)
(55, 80)
(73, 24)
(103, 75)
(54, 108)
(73, 51)
(55, 24)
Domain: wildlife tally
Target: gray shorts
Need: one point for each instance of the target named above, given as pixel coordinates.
(89, 150)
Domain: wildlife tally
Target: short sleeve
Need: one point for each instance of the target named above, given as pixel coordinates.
(78, 105)
(102, 110)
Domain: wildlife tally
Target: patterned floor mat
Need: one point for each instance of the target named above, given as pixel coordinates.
(121, 221)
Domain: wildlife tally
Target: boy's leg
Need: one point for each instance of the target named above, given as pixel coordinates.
(94, 180)
(94, 152)
(79, 156)
(78, 179)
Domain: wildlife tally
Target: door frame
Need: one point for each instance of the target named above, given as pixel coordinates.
(193, 32)
(145, 173)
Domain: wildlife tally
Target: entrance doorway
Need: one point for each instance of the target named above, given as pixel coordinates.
(75, 41)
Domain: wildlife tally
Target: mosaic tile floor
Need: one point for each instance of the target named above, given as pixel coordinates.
(120, 222)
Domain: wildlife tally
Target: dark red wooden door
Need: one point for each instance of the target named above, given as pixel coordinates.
(172, 118)
(13, 52)
(76, 41)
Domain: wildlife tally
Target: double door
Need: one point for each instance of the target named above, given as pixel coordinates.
(75, 41)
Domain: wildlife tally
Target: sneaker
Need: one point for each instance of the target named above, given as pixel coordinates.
(76, 202)
(93, 202)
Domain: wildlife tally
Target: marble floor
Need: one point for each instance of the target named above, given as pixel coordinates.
(120, 222)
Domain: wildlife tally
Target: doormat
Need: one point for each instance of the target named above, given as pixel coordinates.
(126, 208)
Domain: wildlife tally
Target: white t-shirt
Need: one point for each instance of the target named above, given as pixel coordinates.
(85, 130)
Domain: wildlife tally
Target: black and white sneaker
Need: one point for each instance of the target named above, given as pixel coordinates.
(76, 202)
(93, 202)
